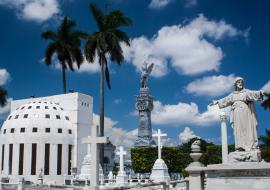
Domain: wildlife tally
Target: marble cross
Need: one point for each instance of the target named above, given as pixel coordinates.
(121, 154)
(159, 135)
(94, 140)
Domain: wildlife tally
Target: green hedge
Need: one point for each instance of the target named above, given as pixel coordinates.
(143, 159)
(177, 158)
(265, 152)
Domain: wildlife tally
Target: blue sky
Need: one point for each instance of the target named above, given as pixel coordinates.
(198, 48)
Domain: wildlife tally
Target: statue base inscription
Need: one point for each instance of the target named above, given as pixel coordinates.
(237, 176)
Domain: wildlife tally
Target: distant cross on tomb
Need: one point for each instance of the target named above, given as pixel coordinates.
(121, 154)
(94, 140)
(159, 135)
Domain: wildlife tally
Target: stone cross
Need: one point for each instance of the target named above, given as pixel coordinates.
(94, 140)
(121, 154)
(224, 142)
(159, 135)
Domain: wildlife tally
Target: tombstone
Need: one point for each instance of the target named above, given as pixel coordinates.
(94, 140)
(121, 178)
(110, 177)
(160, 170)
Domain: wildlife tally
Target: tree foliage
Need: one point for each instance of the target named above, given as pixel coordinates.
(3, 96)
(265, 139)
(176, 158)
(65, 43)
(104, 44)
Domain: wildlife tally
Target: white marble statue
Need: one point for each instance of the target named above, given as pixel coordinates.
(243, 115)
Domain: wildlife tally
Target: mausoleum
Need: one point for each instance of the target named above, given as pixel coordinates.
(41, 137)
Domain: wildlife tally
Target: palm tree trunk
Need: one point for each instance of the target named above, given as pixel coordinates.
(101, 115)
(64, 77)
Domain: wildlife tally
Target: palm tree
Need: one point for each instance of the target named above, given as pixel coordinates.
(104, 44)
(3, 95)
(265, 138)
(65, 42)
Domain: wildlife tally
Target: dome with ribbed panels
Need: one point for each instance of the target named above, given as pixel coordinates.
(38, 117)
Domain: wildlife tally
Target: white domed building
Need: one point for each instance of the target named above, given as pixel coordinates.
(43, 136)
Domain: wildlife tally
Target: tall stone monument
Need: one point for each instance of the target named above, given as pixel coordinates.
(144, 105)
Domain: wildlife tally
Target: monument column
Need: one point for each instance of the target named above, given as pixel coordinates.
(53, 159)
(27, 159)
(144, 105)
(65, 159)
(15, 159)
(41, 156)
(224, 141)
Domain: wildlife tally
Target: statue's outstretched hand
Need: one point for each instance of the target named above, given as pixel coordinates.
(213, 103)
(266, 93)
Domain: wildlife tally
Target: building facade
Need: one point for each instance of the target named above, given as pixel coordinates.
(42, 137)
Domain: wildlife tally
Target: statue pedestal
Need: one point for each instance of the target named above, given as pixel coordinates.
(122, 179)
(160, 172)
(239, 156)
(238, 176)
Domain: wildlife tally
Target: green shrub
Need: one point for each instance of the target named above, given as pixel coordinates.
(265, 152)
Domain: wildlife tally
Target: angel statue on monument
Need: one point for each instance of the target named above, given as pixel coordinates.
(243, 115)
(146, 70)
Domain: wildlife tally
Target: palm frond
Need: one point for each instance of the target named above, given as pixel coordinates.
(51, 49)
(3, 96)
(90, 48)
(117, 19)
(49, 35)
(122, 36)
(98, 16)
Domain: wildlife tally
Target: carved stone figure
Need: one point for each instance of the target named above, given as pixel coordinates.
(243, 115)
(146, 70)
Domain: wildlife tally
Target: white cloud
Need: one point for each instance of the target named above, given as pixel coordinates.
(186, 135)
(118, 136)
(184, 47)
(5, 109)
(182, 114)
(85, 67)
(266, 87)
(158, 4)
(35, 10)
(190, 3)
(212, 86)
(4, 76)
(117, 101)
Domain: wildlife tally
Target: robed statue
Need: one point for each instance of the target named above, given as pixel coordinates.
(243, 115)
(146, 70)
